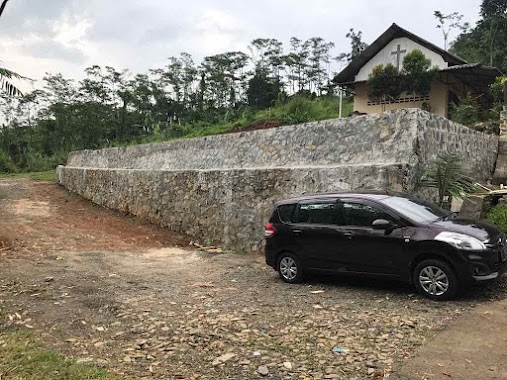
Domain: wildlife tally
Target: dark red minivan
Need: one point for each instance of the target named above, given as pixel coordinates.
(387, 235)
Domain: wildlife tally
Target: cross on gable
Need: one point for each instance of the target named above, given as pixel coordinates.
(398, 54)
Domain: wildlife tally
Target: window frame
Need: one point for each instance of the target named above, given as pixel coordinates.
(295, 204)
(295, 219)
(401, 222)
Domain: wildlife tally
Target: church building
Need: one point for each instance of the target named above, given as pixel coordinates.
(456, 78)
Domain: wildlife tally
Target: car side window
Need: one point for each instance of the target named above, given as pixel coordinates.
(317, 213)
(286, 212)
(358, 214)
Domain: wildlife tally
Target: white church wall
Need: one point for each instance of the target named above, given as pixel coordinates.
(438, 101)
(386, 56)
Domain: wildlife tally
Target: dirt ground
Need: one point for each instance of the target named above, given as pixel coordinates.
(263, 124)
(473, 347)
(109, 289)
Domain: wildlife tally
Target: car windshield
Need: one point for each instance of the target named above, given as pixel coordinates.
(415, 210)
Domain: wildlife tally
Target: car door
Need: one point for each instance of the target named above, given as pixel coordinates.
(370, 250)
(317, 234)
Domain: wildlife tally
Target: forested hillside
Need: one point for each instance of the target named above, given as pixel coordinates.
(112, 107)
(486, 42)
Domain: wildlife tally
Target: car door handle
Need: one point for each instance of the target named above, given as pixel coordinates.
(348, 234)
(297, 232)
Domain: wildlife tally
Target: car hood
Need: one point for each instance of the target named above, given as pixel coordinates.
(485, 232)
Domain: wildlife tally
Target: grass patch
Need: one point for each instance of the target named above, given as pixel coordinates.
(300, 109)
(23, 358)
(49, 175)
(296, 110)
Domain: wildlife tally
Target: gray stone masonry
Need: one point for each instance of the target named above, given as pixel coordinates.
(220, 189)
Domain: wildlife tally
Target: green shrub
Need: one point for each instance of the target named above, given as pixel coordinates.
(298, 110)
(56, 159)
(497, 89)
(6, 163)
(446, 175)
(302, 109)
(498, 216)
(36, 162)
(467, 112)
(248, 115)
(384, 83)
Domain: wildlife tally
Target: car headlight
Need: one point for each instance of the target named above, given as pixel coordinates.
(461, 241)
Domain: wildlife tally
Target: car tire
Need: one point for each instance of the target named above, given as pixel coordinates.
(435, 279)
(290, 268)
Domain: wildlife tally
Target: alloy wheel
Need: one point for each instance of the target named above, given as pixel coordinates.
(288, 268)
(433, 280)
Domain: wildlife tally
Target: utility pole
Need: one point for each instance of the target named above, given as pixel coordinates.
(340, 114)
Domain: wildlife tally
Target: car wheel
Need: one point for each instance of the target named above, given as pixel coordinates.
(436, 280)
(289, 268)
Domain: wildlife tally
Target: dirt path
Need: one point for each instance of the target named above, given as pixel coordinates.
(473, 347)
(105, 288)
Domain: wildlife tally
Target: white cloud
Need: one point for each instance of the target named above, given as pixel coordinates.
(68, 35)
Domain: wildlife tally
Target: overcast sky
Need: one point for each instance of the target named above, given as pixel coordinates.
(39, 36)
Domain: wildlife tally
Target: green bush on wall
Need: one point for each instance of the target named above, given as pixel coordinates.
(498, 216)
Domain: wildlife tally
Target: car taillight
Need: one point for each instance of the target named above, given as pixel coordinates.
(269, 231)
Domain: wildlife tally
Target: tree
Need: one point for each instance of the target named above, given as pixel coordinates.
(262, 90)
(388, 83)
(446, 174)
(357, 46)
(224, 77)
(492, 8)
(298, 62)
(57, 101)
(497, 89)
(446, 23)
(266, 54)
(418, 75)
(384, 84)
(318, 73)
(6, 84)
(467, 112)
(6, 75)
(110, 106)
(486, 42)
(2, 7)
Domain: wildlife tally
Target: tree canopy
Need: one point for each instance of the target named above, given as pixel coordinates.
(112, 106)
(486, 42)
(387, 83)
(418, 74)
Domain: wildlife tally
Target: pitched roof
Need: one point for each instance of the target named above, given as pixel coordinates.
(348, 74)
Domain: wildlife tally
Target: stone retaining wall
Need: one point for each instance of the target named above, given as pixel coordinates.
(348, 141)
(227, 207)
(220, 189)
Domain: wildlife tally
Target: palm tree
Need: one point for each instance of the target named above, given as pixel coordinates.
(6, 85)
(6, 75)
(2, 7)
(446, 174)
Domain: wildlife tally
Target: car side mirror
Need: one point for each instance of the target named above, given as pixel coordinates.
(382, 224)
